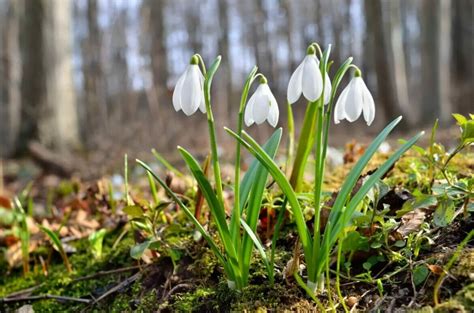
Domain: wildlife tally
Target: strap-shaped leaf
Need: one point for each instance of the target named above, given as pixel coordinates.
(257, 188)
(190, 215)
(217, 210)
(260, 249)
(253, 147)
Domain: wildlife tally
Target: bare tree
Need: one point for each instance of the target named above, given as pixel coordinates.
(48, 99)
(435, 60)
(10, 75)
(94, 84)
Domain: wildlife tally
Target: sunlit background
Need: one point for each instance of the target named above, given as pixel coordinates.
(96, 76)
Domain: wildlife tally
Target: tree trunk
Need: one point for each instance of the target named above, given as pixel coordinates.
(398, 61)
(58, 126)
(47, 90)
(384, 74)
(225, 84)
(10, 75)
(94, 84)
(435, 60)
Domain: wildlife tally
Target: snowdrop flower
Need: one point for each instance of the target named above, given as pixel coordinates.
(354, 100)
(262, 106)
(188, 94)
(307, 80)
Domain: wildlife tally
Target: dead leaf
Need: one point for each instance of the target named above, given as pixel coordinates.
(435, 269)
(411, 222)
(5, 202)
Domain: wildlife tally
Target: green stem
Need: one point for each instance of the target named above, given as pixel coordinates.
(305, 142)
(235, 219)
(338, 282)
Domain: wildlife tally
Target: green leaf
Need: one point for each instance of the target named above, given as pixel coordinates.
(58, 245)
(444, 213)
(96, 239)
(467, 136)
(260, 249)
(134, 211)
(137, 251)
(420, 273)
(253, 147)
(355, 242)
(190, 215)
(421, 201)
(461, 119)
(255, 190)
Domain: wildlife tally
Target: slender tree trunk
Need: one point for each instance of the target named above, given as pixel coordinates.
(94, 84)
(398, 61)
(10, 75)
(384, 74)
(48, 99)
(225, 85)
(434, 83)
(444, 60)
(58, 125)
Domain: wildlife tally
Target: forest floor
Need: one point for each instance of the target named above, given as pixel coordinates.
(409, 250)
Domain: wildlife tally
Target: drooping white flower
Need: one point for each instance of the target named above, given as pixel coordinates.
(188, 94)
(307, 80)
(354, 100)
(262, 106)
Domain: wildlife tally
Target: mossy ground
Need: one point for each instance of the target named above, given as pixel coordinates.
(184, 276)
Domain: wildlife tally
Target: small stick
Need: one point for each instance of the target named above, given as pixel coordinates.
(42, 297)
(104, 273)
(117, 287)
(22, 292)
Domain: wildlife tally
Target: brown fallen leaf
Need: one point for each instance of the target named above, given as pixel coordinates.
(5, 202)
(435, 269)
(411, 222)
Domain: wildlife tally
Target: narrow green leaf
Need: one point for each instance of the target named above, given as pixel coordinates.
(257, 188)
(260, 249)
(58, 244)
(253, 147)
(190, 215)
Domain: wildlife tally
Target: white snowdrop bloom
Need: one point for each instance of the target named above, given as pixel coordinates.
(354, 100)
(262, 106)
(307, 80)
(188, 94)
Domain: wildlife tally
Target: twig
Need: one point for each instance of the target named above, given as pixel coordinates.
(104, 273)
(42, 297)
(117, 287)
(362, 296)
(23, 292)
(179, 286)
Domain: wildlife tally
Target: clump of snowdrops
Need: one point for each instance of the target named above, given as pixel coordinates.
(237, 234)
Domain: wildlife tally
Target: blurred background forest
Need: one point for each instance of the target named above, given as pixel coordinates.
(97, 75)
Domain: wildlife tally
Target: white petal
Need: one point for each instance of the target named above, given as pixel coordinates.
(202, 104)
(248, 116)
(339, 111)
(368, 104)
(353, 107)
(327, 89)
(177, 92)
(191, 94)
(262, 104)
(274, 113)
(312, 79)
(295, 86)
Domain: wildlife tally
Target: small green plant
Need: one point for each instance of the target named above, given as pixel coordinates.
(58, 245)
(96, 240)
